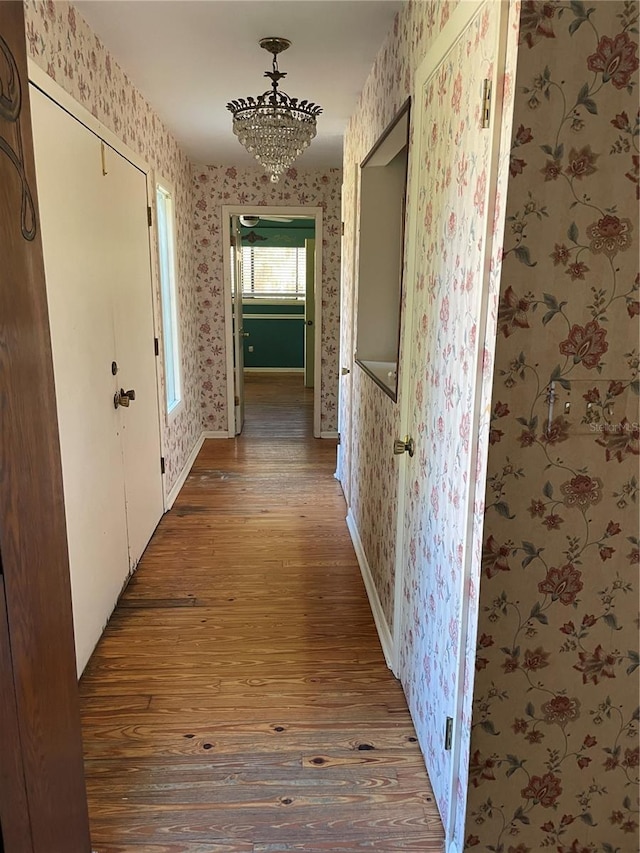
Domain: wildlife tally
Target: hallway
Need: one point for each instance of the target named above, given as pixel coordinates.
(239, 701)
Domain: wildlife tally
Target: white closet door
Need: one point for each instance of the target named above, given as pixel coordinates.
(77, 261)
(133, 310)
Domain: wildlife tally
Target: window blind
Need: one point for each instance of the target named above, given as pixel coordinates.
(273, 271)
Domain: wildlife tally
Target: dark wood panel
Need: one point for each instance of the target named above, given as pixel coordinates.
(14, 809)
(239, 699)
(32, 522)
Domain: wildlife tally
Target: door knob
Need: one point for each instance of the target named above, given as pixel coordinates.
(309, 322)
(123, 398)
(401, 446)
(345, 370)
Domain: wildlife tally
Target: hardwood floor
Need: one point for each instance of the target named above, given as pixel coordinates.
(239, 701)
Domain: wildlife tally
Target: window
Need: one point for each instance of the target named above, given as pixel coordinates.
(170, 328)
(271, 271)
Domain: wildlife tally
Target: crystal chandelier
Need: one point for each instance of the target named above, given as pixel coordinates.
(273, 127)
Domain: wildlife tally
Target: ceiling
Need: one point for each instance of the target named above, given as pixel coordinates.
(190, 57)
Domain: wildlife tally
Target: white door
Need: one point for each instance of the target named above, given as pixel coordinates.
(310, 313)
(73, 219)
(126, 196)
(450, 220)
(96, 254)
(238, 327)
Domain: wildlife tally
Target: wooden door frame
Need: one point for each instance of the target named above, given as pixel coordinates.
(41, 80)
(315, 213)
(38, 657)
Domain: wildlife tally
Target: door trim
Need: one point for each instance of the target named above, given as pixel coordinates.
(347, 359)
(229, 210)
(48, 86)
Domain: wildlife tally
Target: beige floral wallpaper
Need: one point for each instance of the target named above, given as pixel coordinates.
(554, 749)
(451, 167)
(553, 586)
(364, 449)
(214, 186)
(63, 45)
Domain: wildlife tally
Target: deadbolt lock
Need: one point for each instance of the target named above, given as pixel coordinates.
(401, 446)
(123, 398)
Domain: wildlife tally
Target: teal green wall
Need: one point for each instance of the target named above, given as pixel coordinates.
(276, 342)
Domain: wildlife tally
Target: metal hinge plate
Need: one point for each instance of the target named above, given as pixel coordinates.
(486, 102)
(156, 346)
(162, 464)
(149, 219)
(448, 733)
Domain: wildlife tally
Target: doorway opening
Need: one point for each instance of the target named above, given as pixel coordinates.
(273, 315)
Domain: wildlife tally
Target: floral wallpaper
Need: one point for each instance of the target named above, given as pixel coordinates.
(554, 753)
(63, 45)
(446, 383)
(485, 361)
(214, 186)
(455, 200)
(373, 418)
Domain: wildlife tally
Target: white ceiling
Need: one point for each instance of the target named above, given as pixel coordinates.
(190, 57)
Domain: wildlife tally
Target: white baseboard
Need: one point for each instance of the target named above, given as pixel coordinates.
(329, 434)
(188, 465)
(182, 476)
(374, 601)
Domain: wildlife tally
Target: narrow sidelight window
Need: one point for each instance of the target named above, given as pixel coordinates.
(170, 327)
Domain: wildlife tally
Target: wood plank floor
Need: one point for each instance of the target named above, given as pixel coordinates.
(239, 701)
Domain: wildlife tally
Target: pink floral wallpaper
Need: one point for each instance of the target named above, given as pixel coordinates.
(551, 599)
(554, 753)
(484, 361)
(63, 45)
(374, 418)
(447, 382)
(214, 186)
(448, 343)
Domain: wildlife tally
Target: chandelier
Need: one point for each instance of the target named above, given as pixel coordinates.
(273, 127)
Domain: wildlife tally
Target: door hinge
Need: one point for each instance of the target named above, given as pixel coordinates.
(448, 733)
(486, 102)
(342, 228)
(339, 439)
(149, 217)
(156, 346)
(162, 464)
